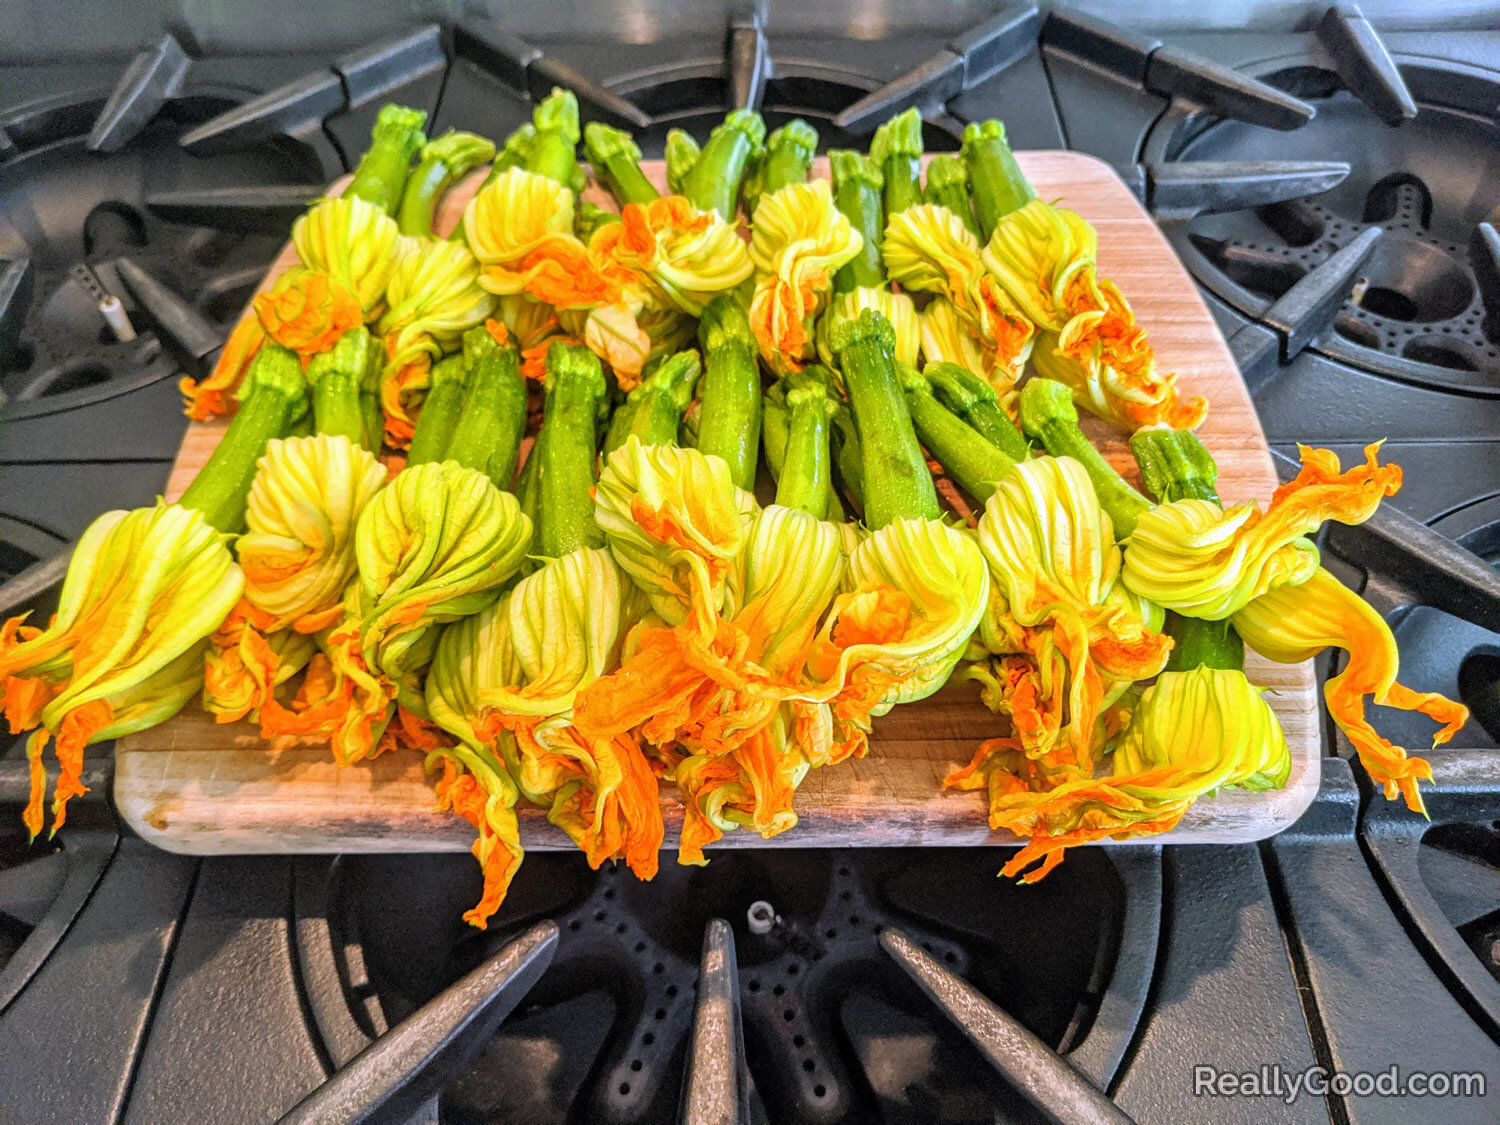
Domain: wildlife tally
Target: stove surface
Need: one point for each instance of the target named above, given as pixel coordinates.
(141, 986)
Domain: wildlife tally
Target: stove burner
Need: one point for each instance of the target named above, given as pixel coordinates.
(831, 1032)
(1416, 313)
(66, 207)
(691, 95)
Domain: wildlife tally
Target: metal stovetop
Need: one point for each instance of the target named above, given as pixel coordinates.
(142, 986)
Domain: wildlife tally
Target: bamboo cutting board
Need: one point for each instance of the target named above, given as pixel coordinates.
(195, 786)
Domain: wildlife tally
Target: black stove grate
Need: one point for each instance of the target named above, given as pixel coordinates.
(1416, 313)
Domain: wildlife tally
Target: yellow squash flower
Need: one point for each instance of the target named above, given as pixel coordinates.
(946, 340)
(297, 558)
(474, 653)
(434, 298)
(684, 255)
(1059, 646)
(431, 547)
(298, 551)
(914, 592)
(1193, 557)
(520, 227)
(144, 589)
(565, 622)
(352, 241)
(245, 662)
(799, 239)
(1193, 733)
(675, 521)
(512, 219)
(1046, 258)
(1293, 623)
(928, 249)
(725, 689)
(751, 788)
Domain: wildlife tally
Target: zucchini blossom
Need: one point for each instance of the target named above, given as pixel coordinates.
(799, 240)
(719, 695)
(431, 547)
(1046, 259)
(1293, 623)
(473, 654)
(124, 651)
(1060, 642)
(298, 554)
(684, 257)
(1192, 733)
(351, 241)
(914, 592)
(297, 558)
(675, 522)
(434, 298)
(1193, 557)
(245, 662)
(565, 623)
(945, 339)
(143, 592)
(1260, 571)
(354, 242)
(928, 249)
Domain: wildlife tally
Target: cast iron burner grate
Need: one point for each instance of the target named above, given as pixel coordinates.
(66, 208)
(1416, 312)
(832, 1033)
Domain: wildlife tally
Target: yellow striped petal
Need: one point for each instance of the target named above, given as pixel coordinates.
(298, 554)
(799, 239)
(1202, 561)
(352, 240)
(675, 521)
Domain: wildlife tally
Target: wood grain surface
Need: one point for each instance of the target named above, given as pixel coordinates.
(195, 786)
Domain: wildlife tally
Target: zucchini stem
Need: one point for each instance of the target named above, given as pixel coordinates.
(789, 155)
(895, 482)
(653, 411)
(575, 391)
(380, 177)
(440, 411)
(973, 462)
(337, 378)
(971, 397)
(806, 479)
(273, 398)
(856, 193)
(730, 397)
(948, 186)
(997, 181)
(713, 182)
(1049, 416)
(443, 162)
(617, 161)
(492, 414)
(896, 150)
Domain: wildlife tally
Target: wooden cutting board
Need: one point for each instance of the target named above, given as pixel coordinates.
(195, 786)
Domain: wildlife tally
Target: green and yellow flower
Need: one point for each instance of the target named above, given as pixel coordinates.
(798, 242)
(124, 651)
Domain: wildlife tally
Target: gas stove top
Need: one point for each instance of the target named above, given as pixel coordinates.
(829, 985)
